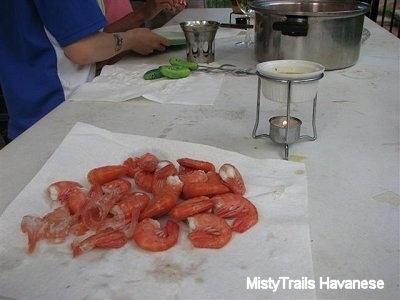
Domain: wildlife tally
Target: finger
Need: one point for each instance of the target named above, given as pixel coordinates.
(164, 41)
(147, 51)
(167, 42)
(167, 3)
(161, 47)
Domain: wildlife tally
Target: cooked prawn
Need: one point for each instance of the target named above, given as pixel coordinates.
(34, 227)
(53, 227)
(193, 176)
(57, 225)
(165, 200)
(125, 225)
(235, 206)
(118, 186)
(97, 208)
(213, 177)
(144, 180)
(228, 205)
(112, 233)
(189, 163)
(191, 207)
(160, 205)
(107, 238)
(131, 164)
(128, 203)
(149, 235)
(208, 231)
(76, 199)
(58, 190)
(165, 168)
(173, 184)
(69, 193)
(105, 174)
(232, 178)
(147, 162)
(245, 219)
(203, 189)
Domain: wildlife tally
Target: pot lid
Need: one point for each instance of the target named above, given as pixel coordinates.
(312, 8)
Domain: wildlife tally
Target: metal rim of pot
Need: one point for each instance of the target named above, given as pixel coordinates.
(311, 8)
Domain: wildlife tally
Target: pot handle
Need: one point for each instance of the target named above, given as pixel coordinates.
(293, 26)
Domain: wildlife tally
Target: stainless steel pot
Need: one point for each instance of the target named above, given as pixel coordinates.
(326, 32)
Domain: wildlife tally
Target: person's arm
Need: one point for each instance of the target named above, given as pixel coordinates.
(102, 46)
(147, 11)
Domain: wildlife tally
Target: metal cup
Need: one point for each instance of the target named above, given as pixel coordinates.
(279, 127)
(200, 43)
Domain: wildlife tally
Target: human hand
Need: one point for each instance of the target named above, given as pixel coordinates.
(179, 5)
(144, 41)
(153, 7)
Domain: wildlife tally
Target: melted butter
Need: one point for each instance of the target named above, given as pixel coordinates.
(289, 72)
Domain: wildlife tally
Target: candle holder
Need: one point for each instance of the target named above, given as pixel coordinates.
(284, 84)
(283, 132)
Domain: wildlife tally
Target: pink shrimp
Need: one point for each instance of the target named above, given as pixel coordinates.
(203, 189)
(125, 225)
(69, 193)
(118, 185)
(166, 199)
(57, 223)
(76, 199)
(191, 207)
(193, 176)
(173, 184)
(34, 227)
(208, 231)
(160, 205)
(213, 177)
(232, 178)
(128, 203)
(165, 168)
(144, 180)
(107, 238)
(131, 164)
(231, 205)
(53, 227)
(105, 174)
(195, 164)
(150, 236)
(112, 233)
(97, 208)
(58, 190)
(147, 162)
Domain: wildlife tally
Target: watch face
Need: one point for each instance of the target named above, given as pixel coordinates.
(118, 41)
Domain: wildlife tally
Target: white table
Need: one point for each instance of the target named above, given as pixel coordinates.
(352, 167)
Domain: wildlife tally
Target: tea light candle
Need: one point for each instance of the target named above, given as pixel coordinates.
(282, 122)
(279, 127)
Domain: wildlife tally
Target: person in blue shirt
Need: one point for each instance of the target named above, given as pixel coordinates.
(48, 48)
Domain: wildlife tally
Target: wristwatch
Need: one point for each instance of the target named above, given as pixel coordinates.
(118, 41)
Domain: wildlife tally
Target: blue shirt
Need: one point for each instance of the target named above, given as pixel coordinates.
(29, 73)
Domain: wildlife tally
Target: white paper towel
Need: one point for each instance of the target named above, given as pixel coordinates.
(277, 246)
(123, 82)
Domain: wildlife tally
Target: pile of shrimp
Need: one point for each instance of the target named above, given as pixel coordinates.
(146, 200)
